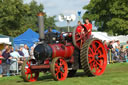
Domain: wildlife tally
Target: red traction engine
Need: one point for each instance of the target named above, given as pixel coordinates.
(63, 54)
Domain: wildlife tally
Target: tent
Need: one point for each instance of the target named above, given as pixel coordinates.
(5, 40)
(29, 37)
(101, 35)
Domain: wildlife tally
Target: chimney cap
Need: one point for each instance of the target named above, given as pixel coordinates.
(40, 14)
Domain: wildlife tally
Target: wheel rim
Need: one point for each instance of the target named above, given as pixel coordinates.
(59, 69)
(97, 57)
(27, 73)
(79, 36)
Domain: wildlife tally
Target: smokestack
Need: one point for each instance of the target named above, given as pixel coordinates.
(41, 25)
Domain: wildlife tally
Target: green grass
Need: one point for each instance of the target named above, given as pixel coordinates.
(115, 74)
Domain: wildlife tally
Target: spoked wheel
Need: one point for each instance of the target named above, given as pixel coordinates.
(59, 69)
(79, 36)
(27, 73)
(93, 57)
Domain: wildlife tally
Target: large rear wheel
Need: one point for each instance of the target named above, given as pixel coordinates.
(59, 69)
(93, 57)
(27, 73)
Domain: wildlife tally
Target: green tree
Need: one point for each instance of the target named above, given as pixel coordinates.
(16, 17)
(109, 15)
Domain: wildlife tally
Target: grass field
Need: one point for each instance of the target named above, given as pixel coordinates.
(115, 74)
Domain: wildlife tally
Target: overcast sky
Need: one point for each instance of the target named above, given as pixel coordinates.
(66, 7)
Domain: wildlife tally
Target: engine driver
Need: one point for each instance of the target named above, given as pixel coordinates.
(88, 25)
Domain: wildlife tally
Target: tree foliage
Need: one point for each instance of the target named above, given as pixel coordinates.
(16, 17)
(109, 15)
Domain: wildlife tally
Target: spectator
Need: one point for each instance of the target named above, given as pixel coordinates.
(16, 56)
(110, 52)
(25, 51)
(105, 45)
(1, 57)
(32, 52)
(5, 48)
(122, 54)
(110, 46)
(114, 44)
(21, 53)
(117, 48)
(11, 48)
(6, 63)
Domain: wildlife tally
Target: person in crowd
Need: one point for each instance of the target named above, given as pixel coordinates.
(16, 56)
(110, 46)
(26, 52)
(88, 26)
(122, 54)
(117, 49)
(20, 51)
(110, 51)
(16, 61)
(5, 48)
(105, 45)
(1, 58)
(116, 46)
(32, 52)
(11, 48)
(6, 62)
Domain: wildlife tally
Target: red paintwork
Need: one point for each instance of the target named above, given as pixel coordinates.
(99, 63)
(61, 50)
(30, 76)
(40, 67)
(61, 69)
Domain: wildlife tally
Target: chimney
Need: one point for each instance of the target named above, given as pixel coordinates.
(41, 25)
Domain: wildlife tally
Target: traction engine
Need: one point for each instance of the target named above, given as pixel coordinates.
(63, 54)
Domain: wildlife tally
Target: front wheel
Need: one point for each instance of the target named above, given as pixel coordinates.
(59, 69)
(27, 74)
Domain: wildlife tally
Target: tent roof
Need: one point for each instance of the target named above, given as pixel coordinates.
(27, 37)
(3, 36)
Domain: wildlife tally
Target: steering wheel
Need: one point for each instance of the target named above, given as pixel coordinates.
(79, 36)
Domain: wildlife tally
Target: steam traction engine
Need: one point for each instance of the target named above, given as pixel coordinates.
(63, 54)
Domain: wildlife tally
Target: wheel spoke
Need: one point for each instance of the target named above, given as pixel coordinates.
(91, 66)
(101, 56)
(31, 76)
(56, 65)
(93, 46)
(62, 74)
(78, 39)
(91, 60)
(95, 66)
(97, 48)
(99, 64)
(90, 55)
(90, 49)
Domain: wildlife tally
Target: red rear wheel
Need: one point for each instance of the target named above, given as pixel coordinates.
(94, 54)
(27, 73)
(59, 69)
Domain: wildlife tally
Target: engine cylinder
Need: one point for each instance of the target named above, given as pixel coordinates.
(43, 51)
